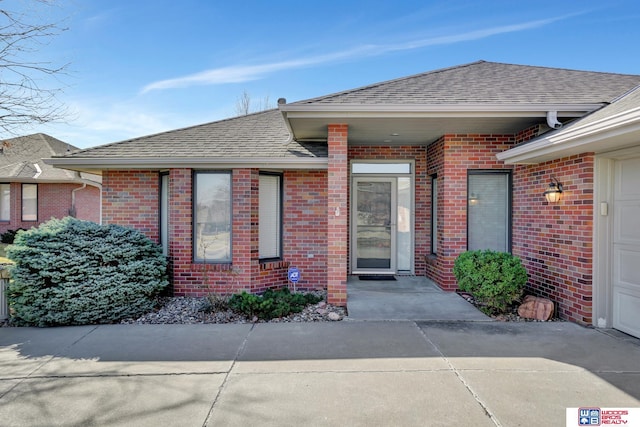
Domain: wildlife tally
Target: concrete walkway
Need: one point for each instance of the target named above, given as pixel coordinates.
(407, 298)
(354, 373)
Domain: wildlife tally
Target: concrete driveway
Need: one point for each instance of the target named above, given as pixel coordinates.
(314, 374)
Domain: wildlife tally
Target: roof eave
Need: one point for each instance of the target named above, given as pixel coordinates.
(95, 165)
(434, 110)
(610, 133)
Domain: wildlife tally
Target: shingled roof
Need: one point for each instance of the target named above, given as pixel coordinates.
(485, 97)
(485, 82)
(613, 127)
(259, 135)
(21, 159)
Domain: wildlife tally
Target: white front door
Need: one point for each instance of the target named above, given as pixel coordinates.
(374, 225)
(626, 246)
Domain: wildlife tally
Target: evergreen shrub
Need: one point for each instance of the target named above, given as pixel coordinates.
(495, 279)
(271, 304)
(73, 272)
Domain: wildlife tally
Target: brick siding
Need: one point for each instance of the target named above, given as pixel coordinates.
(450, 158)
(337, 214)
(54, 201)
(554, 241)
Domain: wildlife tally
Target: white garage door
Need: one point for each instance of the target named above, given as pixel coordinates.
(626, 247)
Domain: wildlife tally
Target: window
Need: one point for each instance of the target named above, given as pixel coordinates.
(434, 214)
(29, 202)
(212, 217)
(164, 213)
(489, 210)
(5, 202)
(270, 222)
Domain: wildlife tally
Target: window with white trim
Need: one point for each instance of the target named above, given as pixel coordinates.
(5, 202)
(29, 202)
(270, 216)
(212, 217)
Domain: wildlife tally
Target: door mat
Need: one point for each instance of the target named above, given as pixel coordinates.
(377, 277)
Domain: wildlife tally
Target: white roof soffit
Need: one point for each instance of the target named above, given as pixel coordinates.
(607, 134)
(433, 110)
(95, 165)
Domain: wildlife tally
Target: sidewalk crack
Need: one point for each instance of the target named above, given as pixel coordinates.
(239, 353)
(461, 378)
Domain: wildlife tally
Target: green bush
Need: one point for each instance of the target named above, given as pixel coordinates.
(271, 304)
(9, 235)
(495, 279)
(72, 272)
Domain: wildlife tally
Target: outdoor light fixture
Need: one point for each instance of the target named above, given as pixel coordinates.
(553, 192)
(473, 199)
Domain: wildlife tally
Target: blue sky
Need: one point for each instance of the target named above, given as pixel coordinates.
(139, 67)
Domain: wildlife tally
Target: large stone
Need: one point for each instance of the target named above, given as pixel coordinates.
(536, 308)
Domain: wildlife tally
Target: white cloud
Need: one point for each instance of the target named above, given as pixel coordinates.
(240, 73)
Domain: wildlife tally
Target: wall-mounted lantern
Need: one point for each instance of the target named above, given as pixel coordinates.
(554, 191)
(473, 199)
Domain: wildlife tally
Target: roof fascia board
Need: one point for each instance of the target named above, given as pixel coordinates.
(190, 163)
(455, 110)
(574, 137)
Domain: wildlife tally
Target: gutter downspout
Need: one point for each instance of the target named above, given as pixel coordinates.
(552, 120)
(72, 210)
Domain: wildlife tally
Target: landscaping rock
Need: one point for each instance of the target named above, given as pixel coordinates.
(333, 316)
(536, 308)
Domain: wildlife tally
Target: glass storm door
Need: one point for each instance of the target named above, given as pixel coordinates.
(374, 225)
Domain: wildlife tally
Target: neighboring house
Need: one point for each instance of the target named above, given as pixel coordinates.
(32, 192)
(400, 177)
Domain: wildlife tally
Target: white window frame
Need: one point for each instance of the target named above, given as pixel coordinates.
(5, 201)
(270, 216)
(28, 215)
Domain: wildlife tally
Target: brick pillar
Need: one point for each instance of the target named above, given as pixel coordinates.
(338, 215)
(245, 227)
(180, 230)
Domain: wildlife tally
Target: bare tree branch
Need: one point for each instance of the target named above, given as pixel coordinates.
(244, 107)
(26, 92)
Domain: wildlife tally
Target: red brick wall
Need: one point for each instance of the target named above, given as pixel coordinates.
(435, 267)
(304, 231)
(554, 241)
(337, 214)
(131, 198)
(305, 226)
(461, 153)
(54, 201)
(88, 203)
(422, 191)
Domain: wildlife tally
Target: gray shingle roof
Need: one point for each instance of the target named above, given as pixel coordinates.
(259, 135)
(489, 82)
(19, 157)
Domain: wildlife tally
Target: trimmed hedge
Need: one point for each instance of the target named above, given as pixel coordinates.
(73, 272)
(495, 279)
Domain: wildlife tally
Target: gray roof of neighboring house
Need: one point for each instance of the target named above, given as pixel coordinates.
(21, 160)
(485, 82)
(258, 135)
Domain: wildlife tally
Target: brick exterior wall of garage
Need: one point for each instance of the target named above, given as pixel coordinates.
(422, 200)
(450, 158)
(54, 201)
(554, 241)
